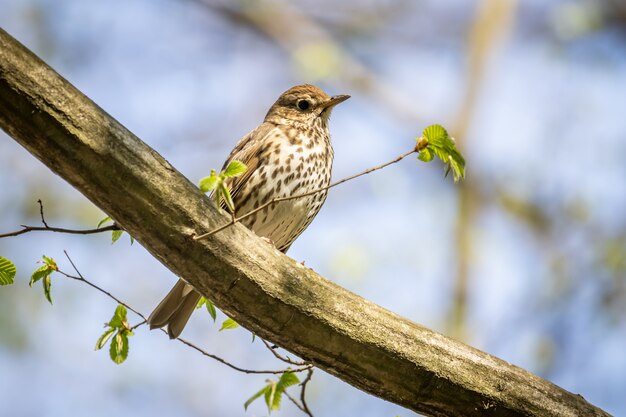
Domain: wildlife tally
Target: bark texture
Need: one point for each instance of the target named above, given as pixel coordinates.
(267, 292)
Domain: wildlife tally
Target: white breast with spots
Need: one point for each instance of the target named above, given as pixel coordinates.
(291, 169)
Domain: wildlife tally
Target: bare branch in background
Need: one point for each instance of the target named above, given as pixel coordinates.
(300, 35)
(492, 23)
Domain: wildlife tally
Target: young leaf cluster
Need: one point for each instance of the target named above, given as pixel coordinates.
(43, 273)
(210, 307)
(7, 271)
(273, 391)
(226, 324)
(118, 331)
(216, 183)
(115, 234)
(440, 144)
(229, 324)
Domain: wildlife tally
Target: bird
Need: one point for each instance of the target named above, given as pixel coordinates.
(288, 154)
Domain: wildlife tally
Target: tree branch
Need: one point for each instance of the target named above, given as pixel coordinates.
(267, 292)
(46, 228)
(26, 229)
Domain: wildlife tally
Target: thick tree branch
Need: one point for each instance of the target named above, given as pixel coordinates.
(267, 292)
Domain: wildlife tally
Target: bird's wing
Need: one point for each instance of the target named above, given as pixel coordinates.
(249, 150)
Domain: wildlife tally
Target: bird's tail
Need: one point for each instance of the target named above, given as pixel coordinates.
(175, 309)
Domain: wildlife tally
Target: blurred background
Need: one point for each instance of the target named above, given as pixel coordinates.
(525, 260)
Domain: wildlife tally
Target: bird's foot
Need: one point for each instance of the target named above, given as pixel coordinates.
(268, 241)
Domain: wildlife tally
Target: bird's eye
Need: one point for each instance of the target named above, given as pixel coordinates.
(303, 104)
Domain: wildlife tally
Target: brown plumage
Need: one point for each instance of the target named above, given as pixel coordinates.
(289, 153)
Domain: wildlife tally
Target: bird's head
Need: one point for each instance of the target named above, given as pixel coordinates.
(303, 104)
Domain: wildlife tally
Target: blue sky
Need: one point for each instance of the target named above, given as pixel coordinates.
(546, 159)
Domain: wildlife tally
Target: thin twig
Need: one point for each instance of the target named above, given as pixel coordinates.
(292, 197)
(81, 278)
(43, 220)
(46, 228)
(27, 229)
(141, 323)
(293, 400)
(247, 371)
(302, 405)
(285, 359)
(304, 384)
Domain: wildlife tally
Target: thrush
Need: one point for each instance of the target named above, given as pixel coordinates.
(289, 154)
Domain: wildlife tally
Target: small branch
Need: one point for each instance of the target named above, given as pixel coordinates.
(285, 359)
(141, 323)
(230, 365)
(302, 392)
(302, 405)
(296, 402)
(293, 197)
(46, 228)
(27, 229)
(43, 220)
(80, 277)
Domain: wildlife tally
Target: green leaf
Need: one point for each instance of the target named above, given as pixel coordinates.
(443, 146)
(102, 340)
(229, 324)
(426, 155)
(270, 393)
(457, 162)
(211, 309)
(47, 283)
(227, 197)
(106, 219)
(119, 347)
(217, 196)
(43, 272)
(115, 348)
(235, 168)
(286, 380)
(50, 263)
(118, 321)
(255, 396)
(434, 132)
(38, 274)
(209, 183)
(209, 306)
(201, 302)
(115, 235)
(120, 311)
(442, 154)
(7, 271)
(118, 350)
(273, 391)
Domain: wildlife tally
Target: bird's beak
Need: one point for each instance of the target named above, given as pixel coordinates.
(334, 100)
